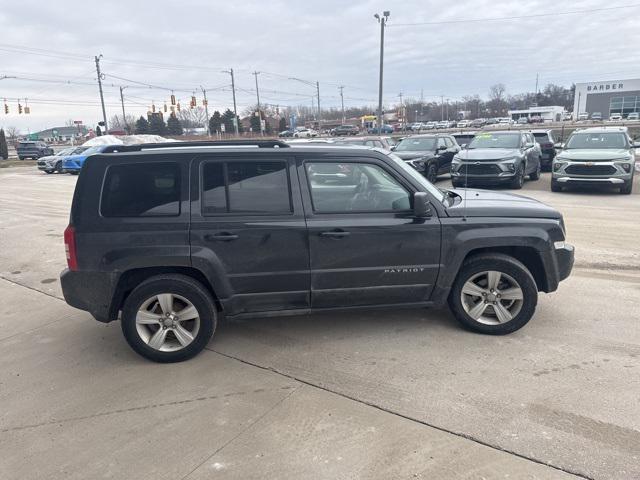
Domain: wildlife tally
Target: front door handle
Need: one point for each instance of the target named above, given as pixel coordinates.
(221, 237)
(335, 234)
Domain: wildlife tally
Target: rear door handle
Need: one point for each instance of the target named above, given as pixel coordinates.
(221, 237)
(335, 234)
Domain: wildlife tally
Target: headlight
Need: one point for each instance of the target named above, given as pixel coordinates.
(509, 159)
(557, 166)
(456, 159)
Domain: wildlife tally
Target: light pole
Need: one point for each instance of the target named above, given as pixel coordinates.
(100, 77)
(311, 84)
(206, 108)
(255, 74)
(383, 22)
(341, 88)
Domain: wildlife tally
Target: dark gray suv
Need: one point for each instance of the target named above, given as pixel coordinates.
(170, 238)
(493, 158)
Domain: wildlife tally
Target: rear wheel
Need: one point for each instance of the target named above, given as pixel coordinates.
(493, 294)
(169, 318)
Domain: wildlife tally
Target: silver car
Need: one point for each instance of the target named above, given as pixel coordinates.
(596, 156)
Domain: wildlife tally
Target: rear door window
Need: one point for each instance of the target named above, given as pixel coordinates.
(256, 187)
(141, 190)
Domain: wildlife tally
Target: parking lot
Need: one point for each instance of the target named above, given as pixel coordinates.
(384, 394)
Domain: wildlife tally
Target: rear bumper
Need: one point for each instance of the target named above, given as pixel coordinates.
(90, 291)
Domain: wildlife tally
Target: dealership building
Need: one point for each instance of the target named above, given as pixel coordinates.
(607, 98)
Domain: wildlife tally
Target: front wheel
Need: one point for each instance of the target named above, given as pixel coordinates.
(169, 318)
(518, 179)
(493, 294)
(627, 188)
(432, 173)
(536, 175)
(58, 167)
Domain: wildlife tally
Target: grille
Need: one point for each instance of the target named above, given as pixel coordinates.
(590, 170)
(481, 169)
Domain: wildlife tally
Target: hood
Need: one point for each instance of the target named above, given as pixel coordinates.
(413, 155)
(488, 203)
(593, 155)
(479, 154)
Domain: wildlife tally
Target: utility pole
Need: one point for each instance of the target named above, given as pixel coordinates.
(383, 21)
(255, 74)
(447, 109)
(537, 85)
(441, 108)
(421, 102)
(318, 90)
(206, 108)
(124, 117)
(233, 90)
(341, 87)
(402, 116)
(104, 112)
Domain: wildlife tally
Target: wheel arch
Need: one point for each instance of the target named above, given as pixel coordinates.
(130, 279)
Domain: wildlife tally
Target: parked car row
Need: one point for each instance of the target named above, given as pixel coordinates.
(592, 156)
(69, 160)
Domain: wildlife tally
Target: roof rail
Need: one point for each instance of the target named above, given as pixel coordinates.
(198, 143)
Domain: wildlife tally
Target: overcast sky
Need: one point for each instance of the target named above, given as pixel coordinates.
(183, 45)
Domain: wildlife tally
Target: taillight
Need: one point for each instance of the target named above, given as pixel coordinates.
(70, 247)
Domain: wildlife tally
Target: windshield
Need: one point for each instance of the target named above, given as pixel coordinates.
(416, 144)
(423, 182)
(78, 150)
(91, 150)
(495, 140)
(64, 152)
(597, 140)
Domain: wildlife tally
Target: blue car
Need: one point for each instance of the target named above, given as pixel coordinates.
(73, 163)
(385, 129)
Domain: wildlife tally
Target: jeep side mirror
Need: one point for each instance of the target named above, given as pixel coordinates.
(441, 147)
(559, 146)
(421, 207)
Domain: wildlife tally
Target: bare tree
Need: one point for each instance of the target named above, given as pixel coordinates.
(12, 133)
(192, 117)
(497, 103)
(116, 123)
(69, 123)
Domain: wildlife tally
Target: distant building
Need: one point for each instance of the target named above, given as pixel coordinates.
(60, 134)
(553, 113)
(614, 96)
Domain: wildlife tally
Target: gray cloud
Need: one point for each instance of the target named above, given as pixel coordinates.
(332, 41)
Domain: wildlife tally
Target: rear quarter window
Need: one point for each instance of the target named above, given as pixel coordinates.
(141, 190)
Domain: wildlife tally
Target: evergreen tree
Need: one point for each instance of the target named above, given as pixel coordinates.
(98, 131)
(227, 119)
(142, 126)
(255, 123)
(4, 149)
(157, 125)
(174, 127)
(240, 129)
(215, 122)
(282, 126)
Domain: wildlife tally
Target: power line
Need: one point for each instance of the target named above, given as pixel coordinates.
(515, 17)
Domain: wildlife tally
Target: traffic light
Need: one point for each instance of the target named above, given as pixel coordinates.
(153, 108)
(19, 108)
(27, 110)
(6, 107)
(173, 99)
(178, 106)
(165, 107)
(193, 101)
(205, 102)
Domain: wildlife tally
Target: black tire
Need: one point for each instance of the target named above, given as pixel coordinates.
(536, 175)
(555, 186)
(181, 285)
(518, 179)
(432, 173)
(21, 158)
(58, 167)
(506, 265)
(48, 172)
(627, 188)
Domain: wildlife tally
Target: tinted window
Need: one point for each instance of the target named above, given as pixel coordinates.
(416, 144)
(245, 187)
(354, 187)
(141, 190)
(541, 137)
(597, 140)
(495, 140)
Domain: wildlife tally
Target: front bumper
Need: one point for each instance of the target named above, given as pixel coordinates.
(564, 259)
(499, 176)
(604, 173)
(92, 292)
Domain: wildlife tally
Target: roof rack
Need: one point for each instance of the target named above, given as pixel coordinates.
(213, 143)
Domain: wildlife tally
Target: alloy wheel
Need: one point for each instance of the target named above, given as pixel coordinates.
(492, 297)
(167, 322)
